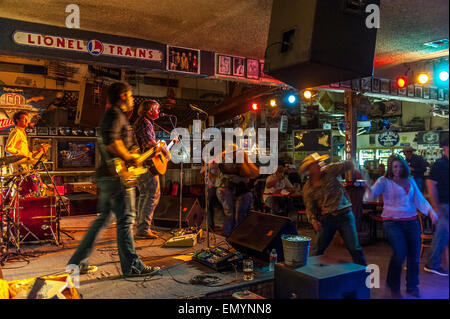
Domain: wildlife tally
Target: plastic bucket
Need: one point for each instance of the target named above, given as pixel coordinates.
(296, 250)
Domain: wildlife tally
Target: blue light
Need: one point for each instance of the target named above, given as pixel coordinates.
(292, 99)
(443, 76)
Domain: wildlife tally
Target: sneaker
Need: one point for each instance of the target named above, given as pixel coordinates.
(88, 270)
(147, 235)
(413, 292)
(438, 271)
(146, 271)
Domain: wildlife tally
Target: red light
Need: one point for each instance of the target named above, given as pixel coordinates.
(255, 106)
(401, 82)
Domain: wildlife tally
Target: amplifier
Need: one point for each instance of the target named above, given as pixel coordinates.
(81, 187)
(321, 278)
(42, 130)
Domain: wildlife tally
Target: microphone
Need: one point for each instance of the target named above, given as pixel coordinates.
(197, 109)
(166, 115)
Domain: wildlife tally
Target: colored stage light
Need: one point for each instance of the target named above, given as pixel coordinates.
(401, 82)
(292, 98)
(443, 76)
(423, 78)
(307, 94)
(273, 102)
(255, 106)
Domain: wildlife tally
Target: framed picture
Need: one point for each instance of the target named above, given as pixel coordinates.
(426, 92)
(223, 64)
(356, 84)
(375, 85)
(402, 91)
(238, 66)
(411, 90)
(252, 69)
(384, 86)
(394, 89)
(183, 60)
(418, 91)
(433, 93)
(440, 95)
(366, 84)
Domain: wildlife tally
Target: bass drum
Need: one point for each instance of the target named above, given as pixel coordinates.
(38, 215)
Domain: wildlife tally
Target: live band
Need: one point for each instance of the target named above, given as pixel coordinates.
(130, 157)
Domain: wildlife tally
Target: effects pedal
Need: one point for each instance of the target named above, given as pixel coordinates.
(217, 258)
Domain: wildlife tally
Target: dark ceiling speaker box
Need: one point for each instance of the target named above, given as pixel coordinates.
(318, 42)
(259, 233)
(321, 278)
(95, 97)
(168, 211)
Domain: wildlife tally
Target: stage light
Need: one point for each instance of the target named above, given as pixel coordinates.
(443, 76)
(423, 78)
(273, 102)
(255, 106)
(401, 82)
(307, 94)
(292, 98)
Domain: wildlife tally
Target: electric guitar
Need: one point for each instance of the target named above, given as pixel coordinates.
(157, 164)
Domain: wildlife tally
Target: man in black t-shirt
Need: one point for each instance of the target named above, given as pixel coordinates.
(116, 141)
(437, 185)
(417, 164)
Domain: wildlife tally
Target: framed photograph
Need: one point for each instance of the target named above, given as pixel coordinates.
(356, 84)
(394, 89)
(239, 66)
(252, 69)
(440, 95)
(183, 60)
(366, 84)
(375, 85)
(426, 92)
(433, 93)
(402, 91)
(411, 90)
(223, 64)
(418, 91)
(385, 86)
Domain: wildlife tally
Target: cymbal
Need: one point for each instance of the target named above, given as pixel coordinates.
(29, 172)
(44, 217)
(10, 159)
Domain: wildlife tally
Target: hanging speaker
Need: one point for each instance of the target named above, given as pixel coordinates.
(317, 42)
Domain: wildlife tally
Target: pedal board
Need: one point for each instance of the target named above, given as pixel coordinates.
(217, 258)
(184, 240)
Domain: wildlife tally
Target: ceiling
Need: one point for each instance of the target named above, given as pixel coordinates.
(237, 27)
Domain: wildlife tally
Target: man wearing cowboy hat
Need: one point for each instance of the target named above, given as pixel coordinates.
(328, 206)
(417, 164)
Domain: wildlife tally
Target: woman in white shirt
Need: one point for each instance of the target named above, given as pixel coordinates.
(401, 200)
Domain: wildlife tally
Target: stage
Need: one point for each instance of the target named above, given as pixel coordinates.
(173, 280)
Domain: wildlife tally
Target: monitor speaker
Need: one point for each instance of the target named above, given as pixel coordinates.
(259, 233)
(318, 42)
(167, 213)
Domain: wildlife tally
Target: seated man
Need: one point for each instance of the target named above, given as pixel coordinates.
(278, 184)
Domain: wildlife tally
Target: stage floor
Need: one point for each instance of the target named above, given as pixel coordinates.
(173, 280)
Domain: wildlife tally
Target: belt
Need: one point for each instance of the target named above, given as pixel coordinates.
(341, 211)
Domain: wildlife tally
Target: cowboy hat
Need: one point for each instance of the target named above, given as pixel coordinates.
(312, 158)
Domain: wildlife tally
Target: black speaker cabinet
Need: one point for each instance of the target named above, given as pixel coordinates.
(168, 211)
(321, 278)
(318, 42)
(259, 233)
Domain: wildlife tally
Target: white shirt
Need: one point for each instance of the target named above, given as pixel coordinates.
(396, 202)
(280, 185)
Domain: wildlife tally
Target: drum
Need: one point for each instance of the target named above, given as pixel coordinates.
(38, 216)
(30, 186)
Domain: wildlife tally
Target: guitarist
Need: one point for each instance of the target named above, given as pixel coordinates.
(148, 184)
(17, 143)
(116, 140)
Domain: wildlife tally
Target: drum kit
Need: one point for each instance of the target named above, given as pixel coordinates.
(27, 213)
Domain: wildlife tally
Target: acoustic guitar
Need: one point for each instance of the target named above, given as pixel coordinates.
(156, 162)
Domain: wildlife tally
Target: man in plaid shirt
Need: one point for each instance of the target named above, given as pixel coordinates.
(148, 185)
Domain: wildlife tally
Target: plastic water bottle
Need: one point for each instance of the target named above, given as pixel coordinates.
(272, 259)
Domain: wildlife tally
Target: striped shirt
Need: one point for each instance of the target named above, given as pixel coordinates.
(330, 195)
(144, 131)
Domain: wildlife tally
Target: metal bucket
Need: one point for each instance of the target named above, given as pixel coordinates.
(296, 250)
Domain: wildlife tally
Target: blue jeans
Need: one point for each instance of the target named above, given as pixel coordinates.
(149, 195)
(440, 238)
(112, 196)
(235, 208)
(213, 201)
(404, 237)
(346, 225)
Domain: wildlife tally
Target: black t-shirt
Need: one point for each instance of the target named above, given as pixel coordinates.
(439, 174)
(114, 126)
(419, 164)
